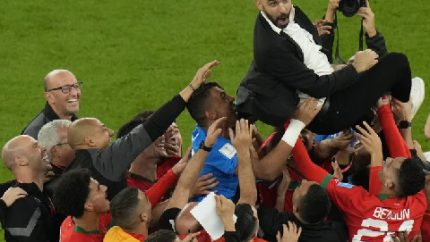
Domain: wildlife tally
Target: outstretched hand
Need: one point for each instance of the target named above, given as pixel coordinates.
(214, 131)
(307, 110)
(370, 141)
(291, 233)
(242, 140)
(203, 73)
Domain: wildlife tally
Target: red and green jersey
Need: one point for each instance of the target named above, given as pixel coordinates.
(70, 232)
(370, 218)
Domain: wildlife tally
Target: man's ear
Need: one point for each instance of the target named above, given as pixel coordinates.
(21, 161)
(89, 206)
(89, 141)
(259, 4)
(210, 116)
(143, 217)
(49, 97)
(389, 184)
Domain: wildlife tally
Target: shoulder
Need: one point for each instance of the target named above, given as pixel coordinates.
(35, 125)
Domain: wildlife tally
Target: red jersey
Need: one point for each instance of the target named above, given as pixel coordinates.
(70, 232)
(371, 219)
(425, 227)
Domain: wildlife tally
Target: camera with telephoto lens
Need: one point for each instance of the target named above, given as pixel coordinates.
(350, 7)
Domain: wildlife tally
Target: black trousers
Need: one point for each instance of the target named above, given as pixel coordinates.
(350, 106)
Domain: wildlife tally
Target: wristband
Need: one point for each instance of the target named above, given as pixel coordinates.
(191, 86)
(292, 132)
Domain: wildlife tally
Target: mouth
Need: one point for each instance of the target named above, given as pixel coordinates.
(73, 100)
(282, 21)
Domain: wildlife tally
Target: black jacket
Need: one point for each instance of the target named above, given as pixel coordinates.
(109, 165)
(268, 92)
(30, 218)
(45, 116)
(271, 222)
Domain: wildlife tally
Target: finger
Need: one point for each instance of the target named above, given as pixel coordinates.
(218, 121)
(206, 176)
(299, 231)
(237, 127)
(362, 131)
(231, 133)
(252, 129)
(187, 155)
(209, 181)
(369, 129)
(212, 64)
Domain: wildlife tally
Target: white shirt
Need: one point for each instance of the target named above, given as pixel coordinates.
(313, 58)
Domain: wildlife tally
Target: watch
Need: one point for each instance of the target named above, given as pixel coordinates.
(204, 147)
(404, 124)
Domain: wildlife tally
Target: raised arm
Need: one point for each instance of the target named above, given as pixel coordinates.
(116, 158)
(395, 142)
(190, 175)
(270, 166)
(242, 142)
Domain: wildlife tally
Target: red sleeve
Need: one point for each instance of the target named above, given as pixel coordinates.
(156, 192)
(425, 227)
(375, 185)
(305, 165)
(395, 142)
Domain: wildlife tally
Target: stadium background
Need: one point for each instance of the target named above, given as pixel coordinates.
(134, 55)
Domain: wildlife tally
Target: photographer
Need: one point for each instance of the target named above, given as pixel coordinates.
(374, 39)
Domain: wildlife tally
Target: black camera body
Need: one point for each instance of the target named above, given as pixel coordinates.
(350, 7)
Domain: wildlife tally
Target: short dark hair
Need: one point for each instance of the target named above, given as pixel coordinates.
(133, 123)
(411, 177)
(246, 222)
(123, 207)
(162, 235)
(72, 192)
(315, 205)
(197, 103)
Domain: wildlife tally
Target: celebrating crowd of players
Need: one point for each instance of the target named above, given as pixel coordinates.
(341, 164)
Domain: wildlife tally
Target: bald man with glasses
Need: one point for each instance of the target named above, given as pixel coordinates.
(62, 94)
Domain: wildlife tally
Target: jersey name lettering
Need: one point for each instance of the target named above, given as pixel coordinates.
(387, 214)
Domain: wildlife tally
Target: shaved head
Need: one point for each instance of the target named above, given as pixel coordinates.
(185, 222)
(80, 129)
(15, 148)
(89, 133)
(52, 76)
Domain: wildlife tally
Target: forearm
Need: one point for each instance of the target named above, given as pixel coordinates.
(159, 121)
(112, 161)
(395, 142)
(191, 172)
(248, 190)
(270, 166)
(157, 191)
(407, 136)
(377, 44)
(305, 165)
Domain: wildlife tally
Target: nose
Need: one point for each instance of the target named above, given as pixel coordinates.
(283, 8)
(103, 187)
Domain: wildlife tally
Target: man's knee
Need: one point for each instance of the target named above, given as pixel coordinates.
(398, 60)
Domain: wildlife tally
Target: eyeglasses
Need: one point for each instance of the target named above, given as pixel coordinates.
(67, 88)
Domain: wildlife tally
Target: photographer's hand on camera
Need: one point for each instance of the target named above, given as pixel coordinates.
(368, 20)
(364, 60)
